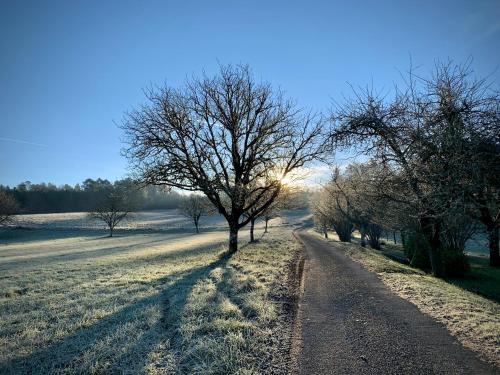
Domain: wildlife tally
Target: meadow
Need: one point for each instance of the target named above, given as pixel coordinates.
(154, 299)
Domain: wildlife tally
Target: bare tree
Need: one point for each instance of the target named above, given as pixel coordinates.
(291, 198)
(458, 229)
(250, 214)
(321, 208)
(8, 208)
(272, 212)
(329, 209)
(391, 133)
(424, 133)
(112, 210)
(226, 136)
(194, 207)
(483, 185)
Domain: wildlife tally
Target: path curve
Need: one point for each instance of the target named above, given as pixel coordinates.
(351, 323)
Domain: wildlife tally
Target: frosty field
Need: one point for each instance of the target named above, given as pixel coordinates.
(154, 299)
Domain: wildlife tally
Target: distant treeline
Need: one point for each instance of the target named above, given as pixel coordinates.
(49, 198)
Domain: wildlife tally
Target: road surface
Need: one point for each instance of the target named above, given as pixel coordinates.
(351, 323)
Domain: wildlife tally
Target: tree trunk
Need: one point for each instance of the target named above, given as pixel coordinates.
(265, 230)
(344, 231)
(394, 237)
(435, 261)
(430, 229)
(196, 224)
(233, 239)
(492, 228)
(493, 237)
(111, 231)
(363, 237)
(374, 242)
(252, 226)
(325, 231)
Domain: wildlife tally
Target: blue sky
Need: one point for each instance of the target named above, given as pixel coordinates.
(69, 69)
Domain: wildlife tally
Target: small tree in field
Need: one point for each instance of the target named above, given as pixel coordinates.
(112, 210)
(272, 211)
(227, 136)
(194, 207)
(283, 201)
(8, 208)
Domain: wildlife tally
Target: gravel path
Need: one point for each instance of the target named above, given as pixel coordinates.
(352, 324)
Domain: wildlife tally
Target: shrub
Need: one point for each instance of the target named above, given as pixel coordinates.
(416, 249)
(455, 263)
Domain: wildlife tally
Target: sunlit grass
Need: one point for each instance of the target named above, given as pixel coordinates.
(471, 318)
(145, 303)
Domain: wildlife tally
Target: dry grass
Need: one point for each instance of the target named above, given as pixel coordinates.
(471, 318)
(144, 303)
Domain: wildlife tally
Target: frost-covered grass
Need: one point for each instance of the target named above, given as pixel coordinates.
(74, 301)
(471, 318)
(157, 220)
(147, 220)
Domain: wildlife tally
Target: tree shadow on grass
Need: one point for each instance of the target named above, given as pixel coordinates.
(18, 235)
(239, 320)
(94, 254)
(65, 256)
(117, 334)
(174, 307)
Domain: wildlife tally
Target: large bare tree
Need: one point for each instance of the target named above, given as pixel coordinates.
(228, 136)
(430, 133)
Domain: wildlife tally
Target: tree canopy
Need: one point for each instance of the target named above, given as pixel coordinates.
(227, 136)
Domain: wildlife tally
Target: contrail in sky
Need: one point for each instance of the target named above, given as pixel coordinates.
(21, 141)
